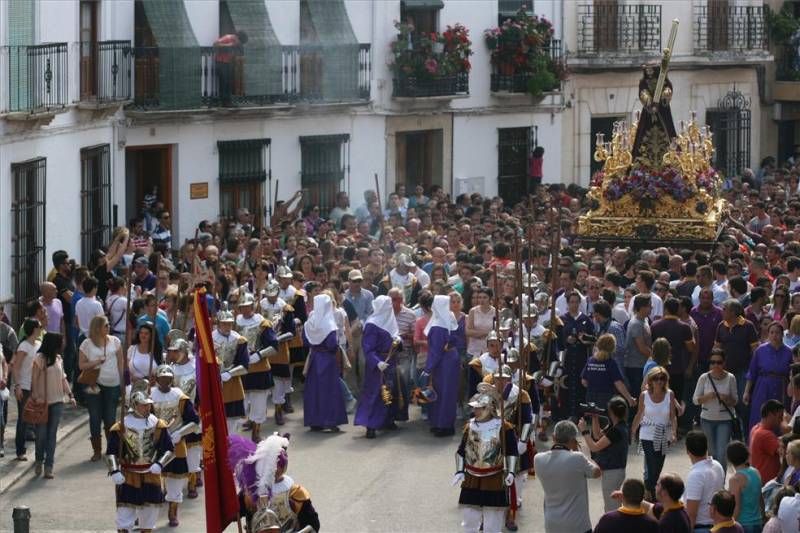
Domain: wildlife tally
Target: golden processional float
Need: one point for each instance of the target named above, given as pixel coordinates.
(657, 186)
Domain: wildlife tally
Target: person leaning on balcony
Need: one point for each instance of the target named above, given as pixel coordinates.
(225, 49)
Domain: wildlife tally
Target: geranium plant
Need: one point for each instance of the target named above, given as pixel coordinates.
(434, 55)
(521, 47)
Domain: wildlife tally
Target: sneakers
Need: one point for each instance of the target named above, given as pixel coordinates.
(48, 473)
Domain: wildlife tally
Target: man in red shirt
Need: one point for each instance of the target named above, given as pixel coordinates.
(764, 454)
(225, 49)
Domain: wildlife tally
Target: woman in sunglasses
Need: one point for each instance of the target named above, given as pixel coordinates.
(716, 394)
(768, 373)
(780, 304)
(657, 422)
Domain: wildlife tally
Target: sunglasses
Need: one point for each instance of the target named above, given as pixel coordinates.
(717, 362)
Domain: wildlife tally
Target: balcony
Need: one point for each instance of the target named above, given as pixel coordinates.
(729, 30)
(37, 77)
(506, 79)
(253, 78)
(787, 74)
(105, 73)
(618, 30)
(438, 86)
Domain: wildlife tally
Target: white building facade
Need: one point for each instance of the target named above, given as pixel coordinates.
(105, 101)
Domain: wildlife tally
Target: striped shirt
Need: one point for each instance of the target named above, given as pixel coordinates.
(405, 324)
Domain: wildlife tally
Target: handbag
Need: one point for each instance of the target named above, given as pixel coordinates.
(736, 433)
(89, 377)
(35, 411)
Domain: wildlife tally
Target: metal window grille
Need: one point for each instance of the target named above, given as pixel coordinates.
(720, 27)
(28, 181)
(606, 26)
(244, 166)
(105, 71)
(325, 163)
(513, 149)
(37, 77)
(730, 123)
(96, 209)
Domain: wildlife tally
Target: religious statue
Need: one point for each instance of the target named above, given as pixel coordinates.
(655, 130)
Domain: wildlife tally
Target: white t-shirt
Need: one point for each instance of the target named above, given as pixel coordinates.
(705, 478)
(109, 372)
(656, 309)
(85, 310)
(116, 306)
(26, 365)
(789, 514)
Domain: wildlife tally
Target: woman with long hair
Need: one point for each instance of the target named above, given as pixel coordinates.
(766, 377)
(102, 351)
(780, 304)
(717, 394)
(144, 354)
(21, 370)
(658, 419)
(49, 384)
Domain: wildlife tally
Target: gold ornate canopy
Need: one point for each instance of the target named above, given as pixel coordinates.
(669, 193)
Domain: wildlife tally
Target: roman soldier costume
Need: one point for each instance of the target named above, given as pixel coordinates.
(185, 378)
(261, 344)
(270, 499)
(231, 349)
(296, 298)
(173, 406)
(485, 464)
(281, 316)
(139, 447)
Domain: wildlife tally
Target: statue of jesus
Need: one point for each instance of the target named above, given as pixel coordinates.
(656, 129)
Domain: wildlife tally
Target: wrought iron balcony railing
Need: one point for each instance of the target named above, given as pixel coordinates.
(787, 62)
(106, 71)
(725, 28)
(250, 77)
(506, 78)
(36, 78)
(413, 79)
(619, 28)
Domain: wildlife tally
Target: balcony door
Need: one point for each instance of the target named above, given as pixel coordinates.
(717, 20)
(419, 158)
(606, 25)
(88, 36)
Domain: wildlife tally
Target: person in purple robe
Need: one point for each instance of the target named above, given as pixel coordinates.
(324, 406)
(443, 367)
(381, 343)
(769, 371)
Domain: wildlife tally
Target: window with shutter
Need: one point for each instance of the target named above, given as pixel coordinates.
(325, 162)
(96, 208)
(243, 168)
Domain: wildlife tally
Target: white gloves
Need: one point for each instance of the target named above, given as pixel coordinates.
(382, 365)
(509, 479)
(254, 358)
(522, 447)
(118, 478)
(175, 439)
(458, 478)
(155, 468)
(226, 376)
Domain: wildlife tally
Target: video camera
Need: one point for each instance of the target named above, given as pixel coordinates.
(591, 409)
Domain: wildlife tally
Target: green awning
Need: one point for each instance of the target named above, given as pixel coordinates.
(178, 53)
(242, 160)
(329, 49)
(424, 4)
(262, 53)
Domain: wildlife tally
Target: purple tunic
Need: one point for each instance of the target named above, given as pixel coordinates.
(444, 366)
(323, 401)
(769, 369)
(372, 412)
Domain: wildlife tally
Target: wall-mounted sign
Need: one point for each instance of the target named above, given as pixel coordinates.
(198, 190)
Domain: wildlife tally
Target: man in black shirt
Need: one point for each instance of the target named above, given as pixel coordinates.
(66, 289)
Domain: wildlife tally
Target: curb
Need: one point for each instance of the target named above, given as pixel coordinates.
(10, 479)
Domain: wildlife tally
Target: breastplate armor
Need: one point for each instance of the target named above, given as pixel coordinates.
(170, 412)
(482, 450)
(281, 506)
(138, 446)
(264, 519)
(188, 384)
(226, 351)
(253, 336)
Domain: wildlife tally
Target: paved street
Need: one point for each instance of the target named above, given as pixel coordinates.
(398, 482)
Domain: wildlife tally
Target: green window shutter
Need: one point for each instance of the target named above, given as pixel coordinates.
(423, 4)
(263, 69)
(21, 19)
(242, 161)
(323, 167)
(178, 53)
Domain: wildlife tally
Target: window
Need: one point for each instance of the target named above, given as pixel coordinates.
(325, 162)
(423, 14)
(604, 125)
(730, 124)
(28, 181)
(96, 207)
(513, 148)
(243, 169)
(507, 9)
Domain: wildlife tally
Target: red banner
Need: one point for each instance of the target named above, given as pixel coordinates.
(222, 503)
